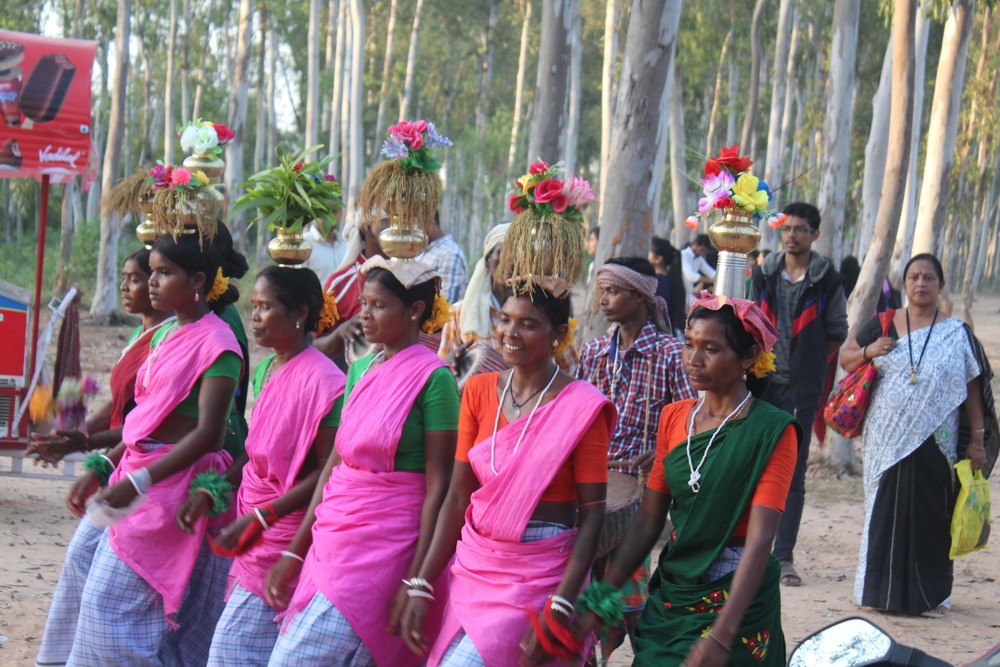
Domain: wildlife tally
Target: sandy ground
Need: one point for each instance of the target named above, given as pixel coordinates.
(35, 528)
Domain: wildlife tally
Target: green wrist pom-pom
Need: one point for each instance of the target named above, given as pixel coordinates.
(218, 487)
(100, 466)
(605, 601)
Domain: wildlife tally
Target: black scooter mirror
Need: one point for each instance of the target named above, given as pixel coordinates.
(847, 643)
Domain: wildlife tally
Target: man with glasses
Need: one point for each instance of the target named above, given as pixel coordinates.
(803, 294)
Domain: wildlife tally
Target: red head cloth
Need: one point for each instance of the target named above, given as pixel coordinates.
(755, 322)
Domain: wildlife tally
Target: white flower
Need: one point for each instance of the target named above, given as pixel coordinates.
(196, 139)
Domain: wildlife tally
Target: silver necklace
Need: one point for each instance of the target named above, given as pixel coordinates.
(531, 415)
(694, 481)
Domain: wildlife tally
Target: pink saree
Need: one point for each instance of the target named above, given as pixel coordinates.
(368, 523)
(149, 540)
(281, 436)
(496, 578)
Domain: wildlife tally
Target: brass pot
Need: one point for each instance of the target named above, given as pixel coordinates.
(735, 231)
(146, 231)
(212, 167)
(289, 248)
(403, 239)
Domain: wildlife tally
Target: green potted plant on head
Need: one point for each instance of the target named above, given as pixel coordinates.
(290, 196)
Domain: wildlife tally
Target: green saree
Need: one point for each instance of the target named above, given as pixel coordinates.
(682, 603)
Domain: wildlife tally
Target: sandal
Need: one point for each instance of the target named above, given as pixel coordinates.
(789, 577)
(938, 612)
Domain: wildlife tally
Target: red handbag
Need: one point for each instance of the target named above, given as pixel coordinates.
(848, 403)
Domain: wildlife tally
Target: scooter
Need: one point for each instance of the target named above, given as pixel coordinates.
(857, 642)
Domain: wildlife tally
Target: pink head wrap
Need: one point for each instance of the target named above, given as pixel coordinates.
(755, 322)
(622, 277)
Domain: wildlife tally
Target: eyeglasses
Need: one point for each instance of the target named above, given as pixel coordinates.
(797, 231)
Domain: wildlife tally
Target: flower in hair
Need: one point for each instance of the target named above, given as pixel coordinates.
(440, 314)
(564, 344)
(763, 364)
(219, 286)
(329, 315)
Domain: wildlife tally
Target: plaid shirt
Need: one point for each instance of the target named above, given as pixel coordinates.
(651, 367)
(445, 257)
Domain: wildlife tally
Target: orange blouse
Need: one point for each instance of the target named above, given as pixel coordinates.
(588, 464)
(772, 488)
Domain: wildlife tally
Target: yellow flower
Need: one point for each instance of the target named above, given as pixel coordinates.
(329, 315)
(440, 315)
(219, 286)
(747, 196)
(41, 406)
(526, 183)
(564, 344)
(200, 175)
(762, 365)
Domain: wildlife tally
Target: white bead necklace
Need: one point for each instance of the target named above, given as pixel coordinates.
(531, 415)
(695, 480)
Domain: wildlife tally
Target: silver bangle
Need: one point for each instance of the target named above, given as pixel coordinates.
(417, 593)
(292, 554)
(419, 582)
(141, 480)
(260, 517)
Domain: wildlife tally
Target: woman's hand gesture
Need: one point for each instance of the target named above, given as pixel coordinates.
(278, 583)
(411, 625)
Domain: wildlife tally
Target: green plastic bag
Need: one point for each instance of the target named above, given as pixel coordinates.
(970, 524)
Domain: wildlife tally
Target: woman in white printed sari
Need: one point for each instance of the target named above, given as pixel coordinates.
(931, 406)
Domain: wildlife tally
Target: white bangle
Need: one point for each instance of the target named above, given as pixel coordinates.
(141, 480)
(417, 593)
(260, 517)
(563, 601)
(419, 582)
(292, 554)
(110, 462)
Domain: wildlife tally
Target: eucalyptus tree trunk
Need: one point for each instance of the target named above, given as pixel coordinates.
(875, 155)
(772, 163)
(836, 159)
(607, 93)
(169, 136)
(186, 64)
(908, 218)
(105, 303)
(383, 98)
(522, 66)
(943, 125)
(661, 223)
(356, 145)
(792, 87)
(345, 104)
(717, 96)
(261, 134)
(548, 126)
(411, 63)
(862, 302)
(312, 77)
(639, 127)
(756, 54)
(478, 220)
(732, 92)
(237, 120)
(572, 138)
(338, 84)
(678, 166)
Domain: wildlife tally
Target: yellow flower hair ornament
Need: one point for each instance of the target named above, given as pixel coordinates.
(560, 349)
(219, 286)
(328, 314)
(440, 315)
(762, 365)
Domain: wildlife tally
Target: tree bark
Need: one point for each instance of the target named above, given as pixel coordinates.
(661, 223)
(791, 89)
(549, 122)
(522, 66)
(875, 155)
(734, 90)
(312, 77)
(260, 146)
(717, 96)
(356, 146)
(383, 98)
(908, 218)
(478, 222)
(186, 64)
(572, 138)
(169, 136)
(757, 53)
(607, 94)
(338, 84)
(836, 160)
(772, 162)
(345, 103)
(639, 127)
(411, 63)
(105, 303)
(678, 164)
(865, 294)
(237, 120)
(943, 125)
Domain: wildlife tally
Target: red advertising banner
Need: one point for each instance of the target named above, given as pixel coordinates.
(44, 105)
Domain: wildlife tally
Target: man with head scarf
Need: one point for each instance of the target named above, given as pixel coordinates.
(637, 364)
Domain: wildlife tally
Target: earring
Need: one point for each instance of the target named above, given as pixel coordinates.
(413, 318)
(555, 343)
(197, 298)
(744, 376)
(298, 325)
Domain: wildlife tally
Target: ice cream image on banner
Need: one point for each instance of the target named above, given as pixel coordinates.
(45, 89)
(11, 55)
(10, 156)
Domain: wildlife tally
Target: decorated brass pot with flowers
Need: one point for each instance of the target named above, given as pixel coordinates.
(184, 202)
(289, 196)
(203, 141)
(404, 188)
(738, 198)
(544, 246)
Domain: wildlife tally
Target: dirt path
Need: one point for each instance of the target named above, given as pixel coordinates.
(35, 528)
